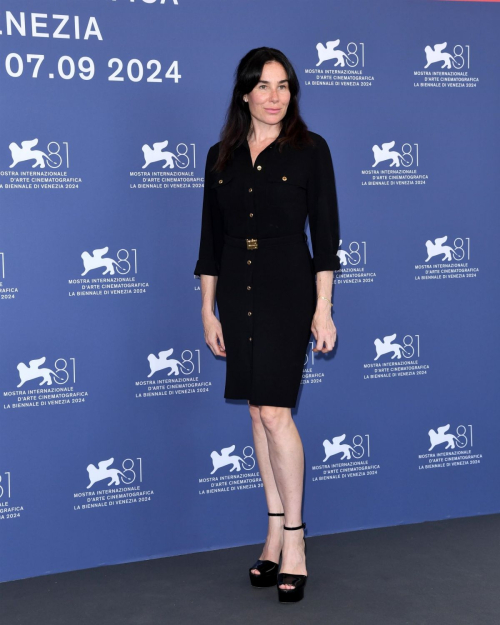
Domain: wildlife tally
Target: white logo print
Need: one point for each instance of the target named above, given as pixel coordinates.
(26, 153)
(437, 248)
(57, 386)
(354, 462)
(155, 154)
(448, 68)
(182, 377)
(449, 253)
(171, 172)
(402, 170)
(387, 346)
(96, 260)
(9, 509)
(344, 255)
(404, 360)
(436, 55)
(453, 262)
(440, 437)
(130, 476)
(459, 450)
(225, 458)
(164, 362)
(32, 372)
(353, 261)
(125, 264)
(333, 448)
(347, 69)
(328, 52)
(103, 472)
(387, 153)
(7, 290)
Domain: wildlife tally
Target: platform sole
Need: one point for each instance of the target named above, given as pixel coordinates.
(262, 583)
(292, 596)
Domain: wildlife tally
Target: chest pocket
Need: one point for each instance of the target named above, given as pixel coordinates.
(224, 186)
(287, 187)
(222, 180)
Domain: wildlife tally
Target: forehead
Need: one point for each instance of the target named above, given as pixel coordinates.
(273, 71)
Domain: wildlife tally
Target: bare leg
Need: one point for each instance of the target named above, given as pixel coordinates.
(286, 456)
(274, 540)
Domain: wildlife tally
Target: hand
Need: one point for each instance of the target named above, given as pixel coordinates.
(213, 333)
(323, 330)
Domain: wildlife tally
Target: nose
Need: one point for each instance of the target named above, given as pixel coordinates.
(274, 95)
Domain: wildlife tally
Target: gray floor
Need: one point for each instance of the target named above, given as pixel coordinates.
(434, 573)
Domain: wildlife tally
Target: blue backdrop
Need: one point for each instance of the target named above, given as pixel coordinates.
(116, 442)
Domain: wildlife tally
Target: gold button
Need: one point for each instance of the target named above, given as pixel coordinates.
(259, 167)
(221, 181)
(249, 313)
(284, 178)
(248, 288)
(250, 190)
(251, 214)
(249, 262)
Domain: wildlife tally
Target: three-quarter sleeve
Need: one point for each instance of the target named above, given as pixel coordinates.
(212, 229)
(322, 209)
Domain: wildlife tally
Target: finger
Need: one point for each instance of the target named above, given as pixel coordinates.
(209, 340)
(221, 341)
(211, 347)
(319, 346)
(326, 344)
(220, 351)
(214, 346)
(216, 351)
(329, 345)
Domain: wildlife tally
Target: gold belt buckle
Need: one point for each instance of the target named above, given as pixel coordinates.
(252, 244)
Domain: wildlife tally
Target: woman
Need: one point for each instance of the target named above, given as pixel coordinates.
(262, 180)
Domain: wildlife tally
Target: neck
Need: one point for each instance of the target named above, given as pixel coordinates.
(263, 134)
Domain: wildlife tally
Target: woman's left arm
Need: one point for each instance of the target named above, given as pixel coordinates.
(323, 328)
(324, 228)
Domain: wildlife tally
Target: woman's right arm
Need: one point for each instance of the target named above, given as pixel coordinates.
(208, 264)
(211, 325)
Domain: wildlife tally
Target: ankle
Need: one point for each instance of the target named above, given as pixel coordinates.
(276, 523)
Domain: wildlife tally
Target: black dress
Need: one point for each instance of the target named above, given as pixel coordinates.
(266, 289)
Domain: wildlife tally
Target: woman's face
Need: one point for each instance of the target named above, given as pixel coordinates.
(268, 100)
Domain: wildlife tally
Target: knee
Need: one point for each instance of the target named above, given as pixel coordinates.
(254, 413)
(273, 417)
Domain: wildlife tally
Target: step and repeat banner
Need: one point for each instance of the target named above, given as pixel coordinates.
(116, 442)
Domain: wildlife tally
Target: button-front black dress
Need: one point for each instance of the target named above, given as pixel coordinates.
(266, 297)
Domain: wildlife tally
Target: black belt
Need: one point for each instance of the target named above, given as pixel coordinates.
(254, 244)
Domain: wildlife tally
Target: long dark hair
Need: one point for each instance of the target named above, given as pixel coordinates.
(238, 120)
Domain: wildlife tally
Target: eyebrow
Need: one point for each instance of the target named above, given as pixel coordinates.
(267, 81)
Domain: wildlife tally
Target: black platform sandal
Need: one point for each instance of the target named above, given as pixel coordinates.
(268, 569)
(291, 595)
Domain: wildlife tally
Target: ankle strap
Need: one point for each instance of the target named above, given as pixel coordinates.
(275, 514)
(299, 527)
